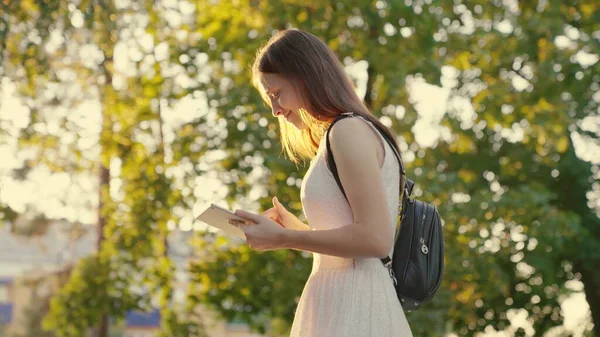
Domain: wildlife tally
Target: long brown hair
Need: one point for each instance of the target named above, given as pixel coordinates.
(319, 78)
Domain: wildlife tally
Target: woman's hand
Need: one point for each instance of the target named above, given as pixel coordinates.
(263, 233)
(282, 216)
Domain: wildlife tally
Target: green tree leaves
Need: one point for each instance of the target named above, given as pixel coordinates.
(514, 195)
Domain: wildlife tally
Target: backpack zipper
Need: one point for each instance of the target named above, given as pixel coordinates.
(424, 248)
(430, 241)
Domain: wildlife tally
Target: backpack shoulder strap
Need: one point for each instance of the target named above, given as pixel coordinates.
(330, 162)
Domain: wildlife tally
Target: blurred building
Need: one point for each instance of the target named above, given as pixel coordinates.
(139, 324)
(32, 269)
(5, 304)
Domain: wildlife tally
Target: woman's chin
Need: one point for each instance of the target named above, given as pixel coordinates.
(300, 127)
(295, 122)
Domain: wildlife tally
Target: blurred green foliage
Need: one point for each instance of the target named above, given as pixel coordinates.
(521, 219)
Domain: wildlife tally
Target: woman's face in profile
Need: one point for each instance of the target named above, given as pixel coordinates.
(285, 101)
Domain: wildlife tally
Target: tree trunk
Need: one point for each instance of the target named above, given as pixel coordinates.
(104, 170)
(104, 182)
(161, 149)
(373, 33)
(370, 81)
(103, 328)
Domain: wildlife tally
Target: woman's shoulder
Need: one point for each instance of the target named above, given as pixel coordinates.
(352, 133)
(352, 129)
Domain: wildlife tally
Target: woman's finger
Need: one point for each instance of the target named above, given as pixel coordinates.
(238, 222)
(271, 212)
(279, 206)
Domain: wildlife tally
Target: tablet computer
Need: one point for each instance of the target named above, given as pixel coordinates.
(218, 217)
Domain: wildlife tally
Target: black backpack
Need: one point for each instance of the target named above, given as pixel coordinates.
(417, 263)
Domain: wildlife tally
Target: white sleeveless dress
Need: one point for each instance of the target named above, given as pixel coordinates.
(346, 297)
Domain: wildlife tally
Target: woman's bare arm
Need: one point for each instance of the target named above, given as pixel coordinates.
(354, 145)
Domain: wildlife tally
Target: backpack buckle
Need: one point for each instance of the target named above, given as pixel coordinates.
(393, 277)
(391, 271)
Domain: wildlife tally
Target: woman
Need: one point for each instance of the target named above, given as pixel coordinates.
(349, 292)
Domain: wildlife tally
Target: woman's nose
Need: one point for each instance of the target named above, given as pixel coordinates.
(276, 109)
